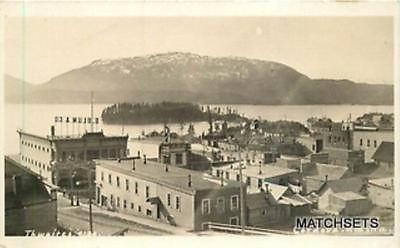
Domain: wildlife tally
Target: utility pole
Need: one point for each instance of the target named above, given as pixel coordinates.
(91, 111)
(242, 204)
(90, 200)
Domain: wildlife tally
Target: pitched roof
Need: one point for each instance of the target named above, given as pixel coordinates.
(276, 190)
(353, 184)
(385, 152)
(386, 182)
(349, 195)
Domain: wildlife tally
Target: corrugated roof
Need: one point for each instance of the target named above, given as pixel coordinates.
(385, 152)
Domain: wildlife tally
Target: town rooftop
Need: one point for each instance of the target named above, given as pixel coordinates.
(175, 177)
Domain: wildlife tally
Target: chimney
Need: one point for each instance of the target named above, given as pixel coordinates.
(133, 164)
(189, 180)
(52, 130)
(17, 184)
(144, 159)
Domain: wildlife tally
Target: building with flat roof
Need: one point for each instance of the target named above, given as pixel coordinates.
(166, 193)
(256, 176)
(50, 155)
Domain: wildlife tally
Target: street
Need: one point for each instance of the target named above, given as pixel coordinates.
(76, 218)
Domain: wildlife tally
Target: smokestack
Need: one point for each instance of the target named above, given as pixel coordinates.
(190, 180)
(52, 130)
(133, 164)
(144, 159)
(17, 184)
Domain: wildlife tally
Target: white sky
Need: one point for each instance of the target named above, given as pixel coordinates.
(355, 48)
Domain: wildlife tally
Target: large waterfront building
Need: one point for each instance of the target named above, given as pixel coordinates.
(166, 193)
(50, 156)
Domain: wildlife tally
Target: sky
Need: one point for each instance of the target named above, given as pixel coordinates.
(355, 48)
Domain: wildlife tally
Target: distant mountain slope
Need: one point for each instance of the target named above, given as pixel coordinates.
(189, 77)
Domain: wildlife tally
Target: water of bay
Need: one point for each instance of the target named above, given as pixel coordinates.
(37, 119)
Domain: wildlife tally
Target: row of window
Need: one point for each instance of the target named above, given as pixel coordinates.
(337, 139)
(178, 203)
(124, 205)
(369, 143)
(36, 163)
(220, 205)
(35, 146)
(127, 184)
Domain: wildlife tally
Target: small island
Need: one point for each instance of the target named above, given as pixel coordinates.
(166, 112)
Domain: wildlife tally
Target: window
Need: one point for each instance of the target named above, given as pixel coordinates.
(136, 187)
(361, 142)
(118, 202)
(179, 159)
(221, 204)
(234, 202)
(118, 182)
(148, 212)
(218, 173)
(248, 181)
(178, 202)
(330, 139)
(139, 208)
(368, 143)
(237, 177)
(168, 199)
(264, 212)
(259, 183)
(234, 221)
(109, 179)
(102, 176)
(227, 175)
(147, 191)
(132, 205)
(127, 184)
(124, 203)
(205, 209)
(375, 143)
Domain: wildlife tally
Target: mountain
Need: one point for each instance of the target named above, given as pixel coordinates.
(188, 77)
